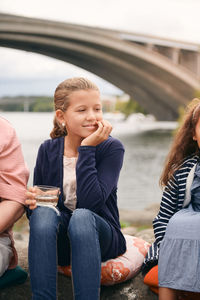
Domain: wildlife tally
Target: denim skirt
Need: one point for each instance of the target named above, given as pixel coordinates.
(179, 258)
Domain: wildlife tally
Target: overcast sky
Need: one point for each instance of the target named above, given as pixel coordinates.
(27, 73)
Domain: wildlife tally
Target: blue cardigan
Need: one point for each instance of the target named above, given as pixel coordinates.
(97, 173)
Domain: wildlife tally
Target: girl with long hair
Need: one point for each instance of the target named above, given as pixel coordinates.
(84, 161)
(176, 249)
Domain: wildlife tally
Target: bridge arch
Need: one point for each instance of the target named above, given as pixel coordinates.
(150, 78)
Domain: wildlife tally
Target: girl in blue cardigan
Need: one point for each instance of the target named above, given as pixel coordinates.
(84, 161)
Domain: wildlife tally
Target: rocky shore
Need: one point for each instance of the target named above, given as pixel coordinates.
(139, 223)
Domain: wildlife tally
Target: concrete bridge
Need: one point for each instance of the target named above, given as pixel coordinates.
(160, 74)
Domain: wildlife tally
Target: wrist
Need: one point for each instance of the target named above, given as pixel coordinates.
(83, 144)
(86, 148)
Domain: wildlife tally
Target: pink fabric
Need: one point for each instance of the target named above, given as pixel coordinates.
(123, 267)
(13, 172)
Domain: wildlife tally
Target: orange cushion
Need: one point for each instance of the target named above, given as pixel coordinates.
(151, 279)
(122, 267)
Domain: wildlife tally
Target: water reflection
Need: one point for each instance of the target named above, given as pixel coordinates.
(145, 151)
(144, 157)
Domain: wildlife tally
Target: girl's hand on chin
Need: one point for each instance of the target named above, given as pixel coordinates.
(100, 135)
(30, 201)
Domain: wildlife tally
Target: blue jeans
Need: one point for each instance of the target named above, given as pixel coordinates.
(90, 237)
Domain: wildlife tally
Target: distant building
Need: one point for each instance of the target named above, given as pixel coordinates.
(109, 101)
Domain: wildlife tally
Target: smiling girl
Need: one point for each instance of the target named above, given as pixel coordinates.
(176, 227)
(84, 161)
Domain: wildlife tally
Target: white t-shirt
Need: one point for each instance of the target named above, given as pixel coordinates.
(5, 254)
(69, 182)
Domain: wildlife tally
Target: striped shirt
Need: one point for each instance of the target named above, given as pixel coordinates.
(172, 201)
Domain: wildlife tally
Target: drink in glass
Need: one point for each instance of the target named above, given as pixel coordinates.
(46, 195)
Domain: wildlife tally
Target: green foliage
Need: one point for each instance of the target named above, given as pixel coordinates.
(45, 104)
(12, 107)
(42, 105)
(181, 113)
(35, 104)
(21, 224)
(128, 107)
(197, 94)
(124, 224)
(143, 227)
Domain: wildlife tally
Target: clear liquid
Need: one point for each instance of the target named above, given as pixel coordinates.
(46, 200)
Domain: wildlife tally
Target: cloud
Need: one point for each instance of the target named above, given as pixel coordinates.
(25, 73)
(168, 18)
(21, 64)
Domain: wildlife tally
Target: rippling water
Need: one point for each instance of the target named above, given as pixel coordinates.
(146, 145)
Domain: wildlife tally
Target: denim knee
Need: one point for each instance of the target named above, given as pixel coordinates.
(43, 221)
(81, 222)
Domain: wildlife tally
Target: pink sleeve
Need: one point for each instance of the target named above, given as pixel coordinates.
(13, 171)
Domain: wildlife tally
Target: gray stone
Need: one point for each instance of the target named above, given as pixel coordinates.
(140, 217)
(134, 289)
(130, 230)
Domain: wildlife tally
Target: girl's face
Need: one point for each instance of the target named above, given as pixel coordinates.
(196, 136)
(83, 112)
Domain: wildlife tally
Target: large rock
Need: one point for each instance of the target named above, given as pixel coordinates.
(133, 289)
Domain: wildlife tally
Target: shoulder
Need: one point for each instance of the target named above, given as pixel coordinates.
(51, 147)
(7, 134)
(52, 143)
(6, 129)
(180, 175)
(188, 164)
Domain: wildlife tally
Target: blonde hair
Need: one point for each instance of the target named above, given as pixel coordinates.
(183, 144)
(61, 99)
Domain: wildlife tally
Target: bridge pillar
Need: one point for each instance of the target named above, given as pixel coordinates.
(175, 55)
(150, 46)
(26, 105)
(190, 60)
(198, 65)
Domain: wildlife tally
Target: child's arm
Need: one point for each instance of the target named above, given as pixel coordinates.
(13, 171)
(95, 181)
(13, 177)
(168, 207)
(10, 212)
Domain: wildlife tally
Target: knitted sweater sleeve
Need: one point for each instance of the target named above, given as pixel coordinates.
(96, 181)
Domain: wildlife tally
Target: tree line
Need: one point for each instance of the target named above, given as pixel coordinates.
(46, 104)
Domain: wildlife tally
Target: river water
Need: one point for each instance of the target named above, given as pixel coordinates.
(146, 145)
